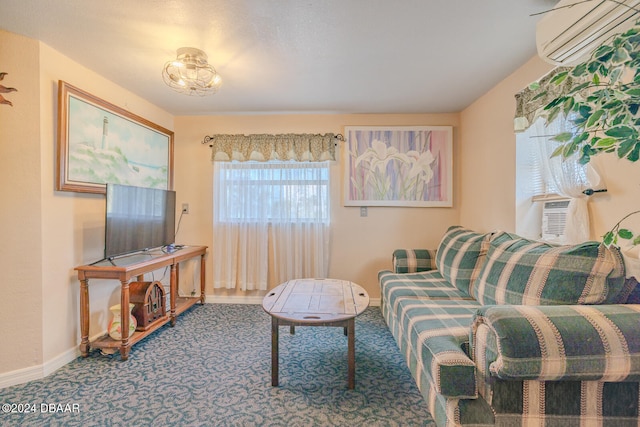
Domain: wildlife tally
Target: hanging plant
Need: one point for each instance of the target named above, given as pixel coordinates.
(601, 101)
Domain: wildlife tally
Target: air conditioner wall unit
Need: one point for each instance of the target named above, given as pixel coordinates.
(554, 220)
(575, 28)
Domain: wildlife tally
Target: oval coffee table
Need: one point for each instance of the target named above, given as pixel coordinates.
(315, 302)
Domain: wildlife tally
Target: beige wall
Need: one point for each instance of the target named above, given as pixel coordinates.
(360, 246)
(47, 233)
(488, 146)
(487, 191)
(20, 228)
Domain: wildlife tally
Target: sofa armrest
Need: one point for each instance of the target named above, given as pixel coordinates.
(563, 342)
(413, 260)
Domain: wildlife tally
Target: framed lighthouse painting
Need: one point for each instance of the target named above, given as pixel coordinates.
(100, 143)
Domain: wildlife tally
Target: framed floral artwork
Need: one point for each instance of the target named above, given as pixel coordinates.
(399, 166)
(100, 143)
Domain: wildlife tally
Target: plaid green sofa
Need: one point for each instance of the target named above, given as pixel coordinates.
(501, 330)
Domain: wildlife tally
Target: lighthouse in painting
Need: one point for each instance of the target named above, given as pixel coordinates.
(105, 133)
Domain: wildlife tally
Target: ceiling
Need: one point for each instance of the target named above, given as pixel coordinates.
(302, 56)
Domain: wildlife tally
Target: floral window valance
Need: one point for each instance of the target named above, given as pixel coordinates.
(532, 99)
(262, 148)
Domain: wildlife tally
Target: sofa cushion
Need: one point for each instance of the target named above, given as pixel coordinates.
(426, 285)
(522, 271)
(460, 255)
(551, 343)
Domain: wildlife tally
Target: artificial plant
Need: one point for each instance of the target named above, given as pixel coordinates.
(601, 100)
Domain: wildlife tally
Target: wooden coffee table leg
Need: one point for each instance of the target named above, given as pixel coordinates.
(351, 340)
(274, 351)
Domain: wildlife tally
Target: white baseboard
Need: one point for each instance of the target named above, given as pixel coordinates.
(214, 299)
(24, 375)
(21, 376)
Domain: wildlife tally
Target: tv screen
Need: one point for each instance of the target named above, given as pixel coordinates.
(138, 218)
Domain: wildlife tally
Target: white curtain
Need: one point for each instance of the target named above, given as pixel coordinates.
(567, 177)
(271, 223)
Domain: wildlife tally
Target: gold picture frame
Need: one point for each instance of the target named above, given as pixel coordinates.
(100, 143)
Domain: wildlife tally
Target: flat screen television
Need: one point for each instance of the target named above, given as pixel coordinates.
(138, 219)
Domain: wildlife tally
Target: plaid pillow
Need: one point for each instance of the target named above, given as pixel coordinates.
(413, 260)
(527, 272)
(460, 256)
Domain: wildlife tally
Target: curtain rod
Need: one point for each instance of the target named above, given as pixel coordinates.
(208, 138)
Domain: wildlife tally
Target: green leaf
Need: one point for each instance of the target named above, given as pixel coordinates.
(570, 149)
(596, 79)
(604, 71)
(634, 155)
(634, 91)
(587, 152)
(579, 70)
(615, 75)
(581, 138)
(559, 78)
(557, 152)
(606, 142)
(636, 241)
(621, 132)
(578, 121)
(585, 111)
(602, 52)
(625, 234)
(578, 88)
(534, 86)
(563, 137)
(553, 114)
(568, 105)
(620, 119)
(593, 67)
(625, 147)
(620, 55)
(554, 102)
(584, 159)
(615, 103)
(608, 238)
(538, 96)
(594, 118)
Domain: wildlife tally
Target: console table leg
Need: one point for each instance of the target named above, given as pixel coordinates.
(202, 278)
(124, 319)
(351, 339)
(274, 351)
(84, 317)
(173, 293)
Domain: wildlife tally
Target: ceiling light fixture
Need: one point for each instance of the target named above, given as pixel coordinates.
(191, 74)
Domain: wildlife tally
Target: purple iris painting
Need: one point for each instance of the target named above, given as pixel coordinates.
(399, 166)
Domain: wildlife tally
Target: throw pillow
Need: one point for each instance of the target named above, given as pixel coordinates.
(527, 272)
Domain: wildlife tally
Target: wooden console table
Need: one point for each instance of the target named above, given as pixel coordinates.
(135, 266)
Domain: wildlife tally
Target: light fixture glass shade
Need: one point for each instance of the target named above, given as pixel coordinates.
(191, 74)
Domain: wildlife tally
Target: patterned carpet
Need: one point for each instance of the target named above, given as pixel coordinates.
(214, 369)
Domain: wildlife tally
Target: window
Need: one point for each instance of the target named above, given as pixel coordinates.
(272, 192)
(271, 222)
(551, 176)
(540, 177)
